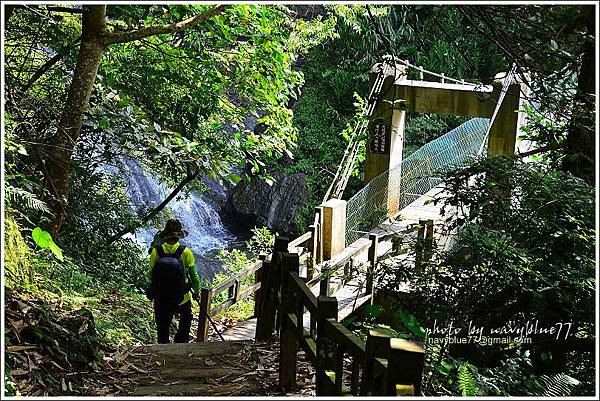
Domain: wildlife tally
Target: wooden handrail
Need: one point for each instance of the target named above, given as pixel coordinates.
(308, 299)
(238, 277)
(353, 345)
(300, 240)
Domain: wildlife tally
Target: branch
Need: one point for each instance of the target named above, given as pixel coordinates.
(189, 178)
(543, 149)
(47, 65)
(57, 9)
(124, 37)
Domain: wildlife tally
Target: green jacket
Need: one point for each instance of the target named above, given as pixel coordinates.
(187, 258)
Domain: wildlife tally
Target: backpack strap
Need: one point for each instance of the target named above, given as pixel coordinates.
(179, 251)
(160, 251)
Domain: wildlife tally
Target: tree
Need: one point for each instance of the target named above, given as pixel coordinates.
(189, 74)
(94, 39)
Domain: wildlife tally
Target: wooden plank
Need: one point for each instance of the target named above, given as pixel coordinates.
(193, 369)
(443, 98)
(221, 307)
(309, 346)
(353, 345)
(300, 240)
(246, 292)
(198, 349)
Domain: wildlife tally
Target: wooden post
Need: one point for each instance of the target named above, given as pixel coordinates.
(231, 291)
(378, 346)
(259, 275)
(405, 366)
(312, 249)
(419, 246)
(374, 238)
(324, 283)
(319, 238)
(428, 246)
(281, 247)
(288, 345)
(503, 132)
(265, 323)
(205, 298)
(333, 228)
(326, 348)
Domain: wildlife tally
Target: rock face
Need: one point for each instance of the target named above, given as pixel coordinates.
(276, 206)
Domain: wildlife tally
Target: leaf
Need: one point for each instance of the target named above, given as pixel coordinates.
(553, 44)
(234, 178)
(372, 311)
(466, 381)
(42, 238)
(270, 181)
(56, 251)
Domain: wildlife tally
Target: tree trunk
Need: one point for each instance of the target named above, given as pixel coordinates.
(69, 126)
(581, 139)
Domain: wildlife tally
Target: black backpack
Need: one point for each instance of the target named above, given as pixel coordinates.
(168, 285)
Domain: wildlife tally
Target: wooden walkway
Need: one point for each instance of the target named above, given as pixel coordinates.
(352, 295)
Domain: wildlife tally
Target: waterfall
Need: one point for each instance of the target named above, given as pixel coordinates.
(207, 234)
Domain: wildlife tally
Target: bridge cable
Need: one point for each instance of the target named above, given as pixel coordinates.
(340, 180)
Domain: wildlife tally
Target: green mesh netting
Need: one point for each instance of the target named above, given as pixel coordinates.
(416, 175)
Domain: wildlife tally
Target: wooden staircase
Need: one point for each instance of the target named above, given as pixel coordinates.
(225, 368)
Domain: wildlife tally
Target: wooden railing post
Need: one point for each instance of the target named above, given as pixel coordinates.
(324, 287)
(319, 237)
(378, 346)
(326, 348)
(312, 250)
(259, 275)
(374, 238)
(205, 298)
(288, 344)
(265, 323)
(419, 246)
(428, 241)
(405, 367)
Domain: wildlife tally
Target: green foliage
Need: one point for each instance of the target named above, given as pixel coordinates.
(236, 260)
(17, 266)
(526, 234)
(558, 385)
(24, 200)
(466, 381)
(262, 241)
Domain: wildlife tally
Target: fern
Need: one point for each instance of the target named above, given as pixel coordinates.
(466, 381)
(557, 385)
(25, 199)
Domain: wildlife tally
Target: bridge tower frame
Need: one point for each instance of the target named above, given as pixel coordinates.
(400, 95)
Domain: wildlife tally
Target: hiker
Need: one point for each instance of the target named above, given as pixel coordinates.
(172, 274)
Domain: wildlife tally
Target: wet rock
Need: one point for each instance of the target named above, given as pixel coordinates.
(259, 204)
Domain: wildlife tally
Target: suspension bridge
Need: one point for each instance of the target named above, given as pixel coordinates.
(306, 286)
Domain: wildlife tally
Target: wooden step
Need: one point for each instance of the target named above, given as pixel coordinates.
(201, 369)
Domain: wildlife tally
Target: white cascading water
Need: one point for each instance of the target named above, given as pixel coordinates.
(207, 234)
